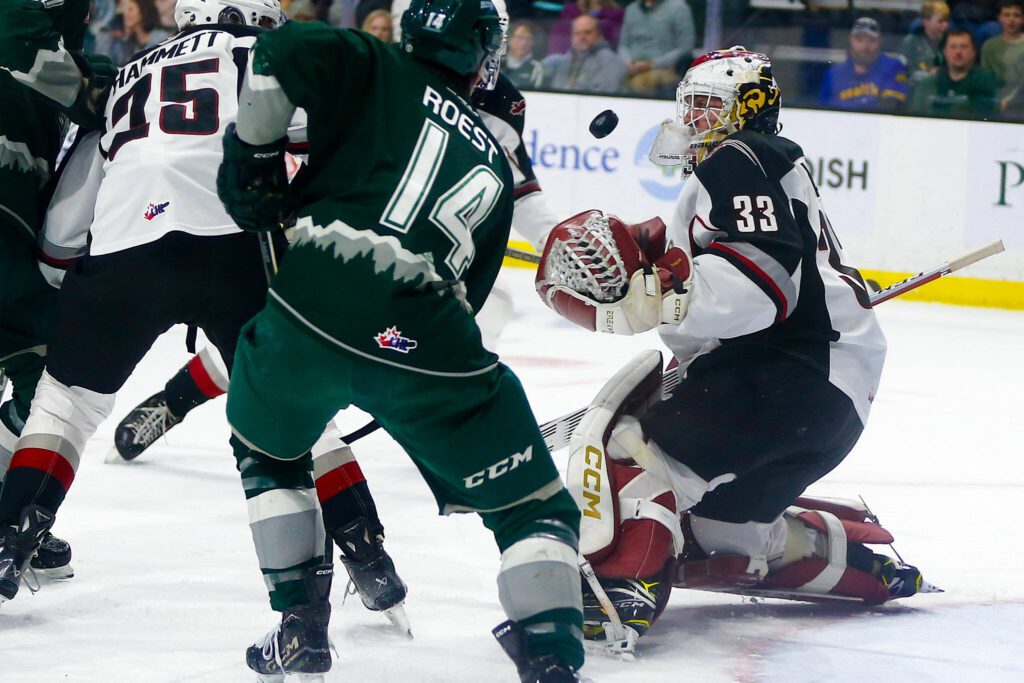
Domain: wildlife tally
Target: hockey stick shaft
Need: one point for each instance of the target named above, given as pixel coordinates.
(520, 255)
(927, 276)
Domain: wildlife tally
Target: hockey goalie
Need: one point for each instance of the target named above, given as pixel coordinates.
(779, 356)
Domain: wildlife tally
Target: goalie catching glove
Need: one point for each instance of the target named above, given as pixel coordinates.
(607, 276)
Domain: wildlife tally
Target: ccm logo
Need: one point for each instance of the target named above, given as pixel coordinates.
(592, 482)
(503, 466)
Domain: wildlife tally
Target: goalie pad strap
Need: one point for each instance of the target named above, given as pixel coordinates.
(640, 508)
(836, 538)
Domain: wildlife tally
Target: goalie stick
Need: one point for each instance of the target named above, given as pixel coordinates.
(556, 432)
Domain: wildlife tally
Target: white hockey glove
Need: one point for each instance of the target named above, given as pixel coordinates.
(607, 276)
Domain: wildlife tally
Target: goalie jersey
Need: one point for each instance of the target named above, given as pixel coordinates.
(768, 269)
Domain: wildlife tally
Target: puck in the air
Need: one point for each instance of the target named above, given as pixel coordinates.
(604, 123)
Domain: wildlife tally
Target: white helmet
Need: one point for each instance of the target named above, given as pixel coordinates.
(723, 92)
(261, 13)
(492, 63)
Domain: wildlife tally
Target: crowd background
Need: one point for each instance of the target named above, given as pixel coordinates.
(964, 59)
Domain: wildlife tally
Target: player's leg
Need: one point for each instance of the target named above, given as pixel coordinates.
(475, 440)
(281, 395)
(28, 308)
(236, 294)
(94, 348)
(351, 519)
(198, 381)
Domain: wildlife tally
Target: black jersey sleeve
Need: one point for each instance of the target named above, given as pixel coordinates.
(750, 216)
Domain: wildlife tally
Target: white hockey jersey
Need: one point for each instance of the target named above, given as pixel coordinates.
(768, 270)
(166, 116)
(154, 170)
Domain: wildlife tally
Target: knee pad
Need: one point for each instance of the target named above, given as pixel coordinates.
(64, 418)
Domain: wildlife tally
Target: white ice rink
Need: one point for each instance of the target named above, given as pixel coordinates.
(167, 586)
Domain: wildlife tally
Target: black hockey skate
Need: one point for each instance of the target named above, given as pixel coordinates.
(53, 559)
(372, 571)
(18, 545)
(150, 420)
(636, 603)
(299, 644)
(545, 668)
(901, 580)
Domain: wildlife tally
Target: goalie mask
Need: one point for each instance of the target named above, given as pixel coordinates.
(723, 92)
(261, 13)
(463, 36)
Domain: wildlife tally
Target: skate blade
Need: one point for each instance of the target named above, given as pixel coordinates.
(929, 588)
(398, 618)
(290, 678)
(55, 573)
(114, 458)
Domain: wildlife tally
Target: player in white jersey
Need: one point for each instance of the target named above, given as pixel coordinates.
(161, 248)
(780, 356)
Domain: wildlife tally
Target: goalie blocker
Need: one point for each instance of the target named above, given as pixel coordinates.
(605, 275)
(639, 539)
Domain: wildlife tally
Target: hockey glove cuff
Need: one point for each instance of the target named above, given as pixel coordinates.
(252, 183)
(98, 73)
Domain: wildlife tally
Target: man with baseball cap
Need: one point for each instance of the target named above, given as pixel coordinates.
(868, 80)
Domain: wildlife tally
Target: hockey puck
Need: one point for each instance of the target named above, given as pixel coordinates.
(604, 123)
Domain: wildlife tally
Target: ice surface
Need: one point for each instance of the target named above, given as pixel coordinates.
(167, 586)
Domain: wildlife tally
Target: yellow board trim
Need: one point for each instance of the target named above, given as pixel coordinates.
(959, 291)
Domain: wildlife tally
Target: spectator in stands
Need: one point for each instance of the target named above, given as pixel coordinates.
(378, 24)
(135, 29)
(656, 35)
(590, 65)
(961, 88)
(609, 15)
(1000, 54)
(520, 66)
(922, 48)
(868, 80)
(165, 8)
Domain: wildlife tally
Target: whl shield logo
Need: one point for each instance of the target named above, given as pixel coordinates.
(392, 338)
(154, 210)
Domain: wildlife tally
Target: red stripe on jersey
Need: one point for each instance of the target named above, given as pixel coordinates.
(780, 298)
(50, 462)
(525, 189)
(337, 480)
(202, 378)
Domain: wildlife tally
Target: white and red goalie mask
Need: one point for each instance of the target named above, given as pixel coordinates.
(589, 260)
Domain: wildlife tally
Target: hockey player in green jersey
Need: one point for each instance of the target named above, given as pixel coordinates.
(402, 219)
(44, 81)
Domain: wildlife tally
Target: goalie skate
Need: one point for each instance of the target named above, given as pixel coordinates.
(140, 428)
